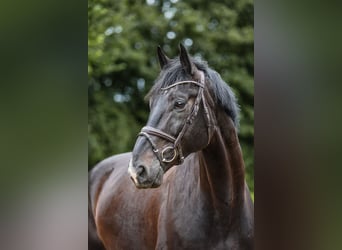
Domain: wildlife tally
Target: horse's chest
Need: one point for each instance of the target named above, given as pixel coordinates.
(193, 230)
(196, 240)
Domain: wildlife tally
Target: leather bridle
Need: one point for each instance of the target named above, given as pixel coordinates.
(176, 149)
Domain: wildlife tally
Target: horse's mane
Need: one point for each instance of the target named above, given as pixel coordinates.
(223, 95)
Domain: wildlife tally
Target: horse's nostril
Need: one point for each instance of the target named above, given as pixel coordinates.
(141, 171)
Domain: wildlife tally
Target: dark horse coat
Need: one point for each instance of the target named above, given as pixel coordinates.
(201, 203)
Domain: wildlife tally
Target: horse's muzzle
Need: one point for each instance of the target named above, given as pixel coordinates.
(145, 176)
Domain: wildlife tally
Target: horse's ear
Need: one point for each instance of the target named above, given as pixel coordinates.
(185, 60)
(163, 59)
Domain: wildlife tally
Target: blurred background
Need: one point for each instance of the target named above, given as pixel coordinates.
(123, 37)
(44, 102)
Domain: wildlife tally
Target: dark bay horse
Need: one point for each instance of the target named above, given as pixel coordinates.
(183, 186)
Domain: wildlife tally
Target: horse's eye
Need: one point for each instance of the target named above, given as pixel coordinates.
(179, 104)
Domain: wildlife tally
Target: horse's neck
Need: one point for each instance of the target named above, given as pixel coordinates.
(222, 177)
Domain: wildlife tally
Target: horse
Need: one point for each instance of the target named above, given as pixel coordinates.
(183, 185)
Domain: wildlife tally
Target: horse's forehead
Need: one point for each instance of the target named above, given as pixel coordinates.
(157, 110)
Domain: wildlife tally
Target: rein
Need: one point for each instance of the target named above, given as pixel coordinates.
(176, 149)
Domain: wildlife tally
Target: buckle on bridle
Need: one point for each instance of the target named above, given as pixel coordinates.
(166, 150)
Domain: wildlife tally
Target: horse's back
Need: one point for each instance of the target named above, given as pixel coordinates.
(96, 179)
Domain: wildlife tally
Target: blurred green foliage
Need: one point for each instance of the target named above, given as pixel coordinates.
(122, 64)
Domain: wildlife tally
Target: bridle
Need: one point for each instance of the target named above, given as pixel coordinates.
(176, 149)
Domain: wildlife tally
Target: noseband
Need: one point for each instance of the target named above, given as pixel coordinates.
(176, 149)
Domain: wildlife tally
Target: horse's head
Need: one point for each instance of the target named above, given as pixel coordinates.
(179, 120)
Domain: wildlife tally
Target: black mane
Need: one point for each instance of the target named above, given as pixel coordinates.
(224, 96)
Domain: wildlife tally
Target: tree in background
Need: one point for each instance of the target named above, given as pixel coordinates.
(122, 63)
